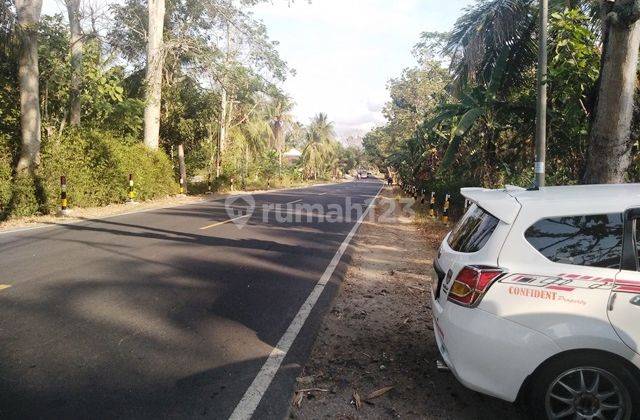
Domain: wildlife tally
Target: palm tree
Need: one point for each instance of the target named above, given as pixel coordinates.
(320, 135)
(491, 28)
(478, 105)
(280, 118)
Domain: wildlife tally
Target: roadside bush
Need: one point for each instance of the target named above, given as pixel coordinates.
(27, 197)
(5, 173)
(97, 165)
(152, 171)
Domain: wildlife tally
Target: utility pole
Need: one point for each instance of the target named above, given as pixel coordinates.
(541, 109)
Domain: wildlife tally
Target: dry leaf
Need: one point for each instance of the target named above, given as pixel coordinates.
(378, 392)
(297, 399)
(356, 400)
(313, 389)
(306, 380)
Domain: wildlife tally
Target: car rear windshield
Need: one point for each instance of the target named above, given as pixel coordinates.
(593, 241)
(473, 231)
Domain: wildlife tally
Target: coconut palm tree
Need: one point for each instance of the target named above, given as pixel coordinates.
(280, 119)
(491, 28)
(320, 135)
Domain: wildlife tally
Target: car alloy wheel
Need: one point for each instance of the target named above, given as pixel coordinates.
(587, 393)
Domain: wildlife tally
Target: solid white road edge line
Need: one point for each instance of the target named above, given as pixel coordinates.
(252, 397)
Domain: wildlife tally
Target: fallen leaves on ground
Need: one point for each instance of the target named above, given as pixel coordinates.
(356, 400)
(378, 393)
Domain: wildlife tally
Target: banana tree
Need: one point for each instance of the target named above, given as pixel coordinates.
(480, 107)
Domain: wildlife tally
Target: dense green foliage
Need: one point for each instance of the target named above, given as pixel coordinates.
(213, 49)
(97, 167)
(465, 116)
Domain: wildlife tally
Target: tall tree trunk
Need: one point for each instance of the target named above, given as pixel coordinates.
(609, 155)
(155, 63)
(28, 13)
(490, 157)
(183, 168)
(224, 110)
(278, 131)
(75, 106)
(222, 136)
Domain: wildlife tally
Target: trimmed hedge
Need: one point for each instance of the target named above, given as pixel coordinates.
(97, 165)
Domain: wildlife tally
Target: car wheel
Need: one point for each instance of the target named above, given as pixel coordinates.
(585, 386)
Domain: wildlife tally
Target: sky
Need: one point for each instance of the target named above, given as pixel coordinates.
(345, 51)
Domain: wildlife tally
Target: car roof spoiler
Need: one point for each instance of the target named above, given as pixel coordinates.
(499, 203)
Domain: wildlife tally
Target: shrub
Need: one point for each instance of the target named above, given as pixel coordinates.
(27, 196)
(97, 165)
(5, 173)
(152, 171)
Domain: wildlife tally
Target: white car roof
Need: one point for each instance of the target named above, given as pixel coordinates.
(564, 200)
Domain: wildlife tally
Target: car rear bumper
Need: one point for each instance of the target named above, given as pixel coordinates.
(487, 353)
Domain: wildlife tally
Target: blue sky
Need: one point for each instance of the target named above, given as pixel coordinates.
(345, 51)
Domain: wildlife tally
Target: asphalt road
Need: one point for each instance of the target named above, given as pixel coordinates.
(169, 313)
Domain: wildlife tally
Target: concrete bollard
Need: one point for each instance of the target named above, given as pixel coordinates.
(64, 211)
(432, 203)
(132, 193)
(445, 209)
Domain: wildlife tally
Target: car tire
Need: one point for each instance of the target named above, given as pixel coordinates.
(558, 387)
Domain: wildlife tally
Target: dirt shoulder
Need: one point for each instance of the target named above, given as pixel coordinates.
(378, 334)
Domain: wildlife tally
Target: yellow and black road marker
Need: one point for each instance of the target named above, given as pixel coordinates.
(132, 193)
(63, 193)
(432, 203)
(445, 209)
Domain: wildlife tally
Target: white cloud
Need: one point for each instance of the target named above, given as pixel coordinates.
(344, 52)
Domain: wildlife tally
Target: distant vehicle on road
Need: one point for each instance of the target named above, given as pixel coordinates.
(538, 299)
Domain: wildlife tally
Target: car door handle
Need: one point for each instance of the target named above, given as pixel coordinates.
(612, 300)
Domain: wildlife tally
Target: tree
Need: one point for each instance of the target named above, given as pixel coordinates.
(155, 63)
(610, 143)
(319, 138)
(28, 12)
(76, 42)
(279, 115)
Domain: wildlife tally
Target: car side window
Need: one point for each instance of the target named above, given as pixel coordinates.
(593, 240)
(637, 239)
(473, 231)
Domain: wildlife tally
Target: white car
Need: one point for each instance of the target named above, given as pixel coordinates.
(538, 299)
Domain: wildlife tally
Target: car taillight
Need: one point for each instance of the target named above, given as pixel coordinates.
(471, 284)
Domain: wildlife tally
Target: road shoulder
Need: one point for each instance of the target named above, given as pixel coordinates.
(378, 335)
